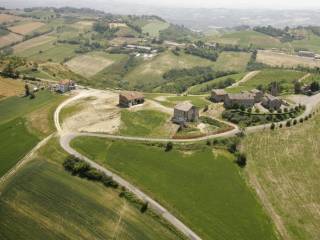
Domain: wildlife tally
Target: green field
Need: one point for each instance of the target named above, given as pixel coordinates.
(43, 201)
(204, 188)
(153, 28)
(143, 123)
(150, 72)
(49, 52)
(207, 86)
(285, 78)
(198, 101)
(310, 42)
(283, 166)
(232, 61)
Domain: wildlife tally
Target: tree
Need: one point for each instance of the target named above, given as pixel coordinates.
(314, 87)
(169, 146)
(144, 207)
(273, 126)
(297, 87)
(27, 90)
(241, 160)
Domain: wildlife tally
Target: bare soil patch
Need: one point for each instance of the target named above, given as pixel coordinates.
(26, 28)
(5, 18)
(9, 39)
(286, 60)
(88, 65)
(10, 87)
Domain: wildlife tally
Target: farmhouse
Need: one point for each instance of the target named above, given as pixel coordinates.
(141, 48)
(218, 95)
(271, 102)
(128, 99)
(306, 54)
(65, 86)
(185, 112)
(240, 99)
(258, 95)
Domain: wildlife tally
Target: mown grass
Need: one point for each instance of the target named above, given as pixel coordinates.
(43, 201)
(198, 101)
(285, 78)
(284, 165)
(203, 188)
(143, 123)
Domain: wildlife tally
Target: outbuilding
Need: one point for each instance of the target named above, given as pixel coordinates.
(185, 112)
(128, 99)
(239, 99)
(271, 102)
(218, 95)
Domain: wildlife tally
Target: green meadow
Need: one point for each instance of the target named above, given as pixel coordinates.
(203, 187)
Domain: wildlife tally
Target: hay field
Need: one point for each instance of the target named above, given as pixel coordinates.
(10, 87)
(34, 42)
(286, 60)
(88, 65)
(4, 18)
(9, 39)
(284, 168)
(232, 61)
(26, 28)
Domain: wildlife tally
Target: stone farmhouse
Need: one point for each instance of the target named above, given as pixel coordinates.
(240, 99)
(128, 99)
(271, 102)
(218, 95)
(65, 85)
(185, 112)
(258, 95)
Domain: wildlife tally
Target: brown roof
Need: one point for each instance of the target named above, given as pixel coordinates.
(241, 96)
(132, 95)
(219, 91)
(270, 97)
(184, 106)
(65, 82)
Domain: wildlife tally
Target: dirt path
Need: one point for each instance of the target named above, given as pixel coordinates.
(304, 77)
(247, 77)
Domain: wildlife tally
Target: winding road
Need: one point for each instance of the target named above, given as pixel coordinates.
(66, 137)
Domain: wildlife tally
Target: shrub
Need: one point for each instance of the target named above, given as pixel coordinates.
(232, 148)
(144, 207)
(241, 160)
(273, 126)
(286, 110)
(288, 123)
(279, 110)
(301, 120)
(295, 121)
(169, 146)
(257, 110)
(280, 126)
(306, 118)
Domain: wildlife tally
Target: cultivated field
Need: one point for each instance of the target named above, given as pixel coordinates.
(285, 78)
(83, 25)
(283, 167)
(281, 59)
(202, 187)
(9, 39)
(232, 61)
(6, 18)
(153, 28)
(32, 43)
(25, 28)
(43, 201)
(89, 65)
(10, 87)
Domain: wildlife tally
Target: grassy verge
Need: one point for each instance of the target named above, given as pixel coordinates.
(203, 187)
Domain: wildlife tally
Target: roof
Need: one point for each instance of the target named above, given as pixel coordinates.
(219, 91)
(241, 96)
(131, 95)
(270, 97)
(184, 106)
(65, 82)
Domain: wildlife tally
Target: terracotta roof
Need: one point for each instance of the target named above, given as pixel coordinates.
(219, 91)
(131, 95)
(184, 106)
(65, 82)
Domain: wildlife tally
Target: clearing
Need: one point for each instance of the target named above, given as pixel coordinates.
(285, 60)
(283, 166)
(87, 209)
(32, 43)
(90, 64)
(189, 184)
(25, 28)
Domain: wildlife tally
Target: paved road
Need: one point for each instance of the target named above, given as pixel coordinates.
(66, 137)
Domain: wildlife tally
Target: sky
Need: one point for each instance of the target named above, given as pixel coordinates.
(271, 4)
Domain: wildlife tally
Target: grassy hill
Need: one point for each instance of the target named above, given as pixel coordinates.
(43, 201)
(204, 188)
(283, 166)
(153, 28)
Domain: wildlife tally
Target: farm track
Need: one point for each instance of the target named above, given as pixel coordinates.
(246, 78)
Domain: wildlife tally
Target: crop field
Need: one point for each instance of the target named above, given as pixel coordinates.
(10, 87)
(25, 28)
(281, 59)
(151, 71)
(283, 167)
(286, 79)
(245, 38)
(207, 86)
(144, 123)
(6, 18)
(232, 61)
(153, 28)
(83, 25)
(90, 64)
(9, 39)
(189, 184)
(43, 201)
(49, 52)
(311, 42)
(33, 43)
